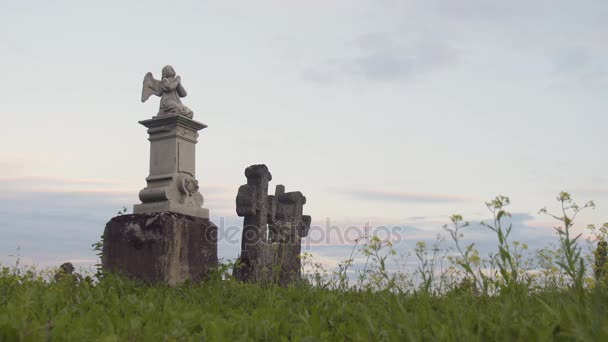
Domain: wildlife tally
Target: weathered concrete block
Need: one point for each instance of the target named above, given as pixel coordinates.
(160, 247)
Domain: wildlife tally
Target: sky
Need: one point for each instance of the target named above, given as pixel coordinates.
(382, 113)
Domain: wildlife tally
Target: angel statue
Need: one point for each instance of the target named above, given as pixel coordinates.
(170, 89)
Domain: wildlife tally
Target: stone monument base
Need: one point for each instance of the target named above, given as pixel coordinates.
(160, 247)
(154, 207)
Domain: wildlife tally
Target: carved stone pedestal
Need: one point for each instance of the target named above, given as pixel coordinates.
(160, 247)
(172, 184)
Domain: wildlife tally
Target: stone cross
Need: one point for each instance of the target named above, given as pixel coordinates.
(287, 227)
(286, 210)
(272, 229)
(252, 204)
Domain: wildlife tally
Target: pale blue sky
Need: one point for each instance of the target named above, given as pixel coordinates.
(393, 112)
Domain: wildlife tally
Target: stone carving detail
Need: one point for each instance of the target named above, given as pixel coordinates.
(186, 133)
(272, 230)
(188, 185)
(188, 188)
(170, 89)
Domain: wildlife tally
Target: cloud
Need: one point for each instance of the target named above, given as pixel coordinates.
(416, 218)
(373, 195)
(598, 195)
(395, 61)
(585, 64)
(16, 166)
(54, 181)
(347, 232)
(54, 225)
(30, 186)
(383, 57)
(525, 229)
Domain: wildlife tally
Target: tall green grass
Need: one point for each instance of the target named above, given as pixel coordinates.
(119, 309)
(557, 295)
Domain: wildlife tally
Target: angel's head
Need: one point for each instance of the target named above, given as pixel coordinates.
(168, 71)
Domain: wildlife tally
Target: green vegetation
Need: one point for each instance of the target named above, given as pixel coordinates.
(559, 294)
(119, 309)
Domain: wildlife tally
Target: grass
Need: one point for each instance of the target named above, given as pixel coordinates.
(119, 309)
(553, 296)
